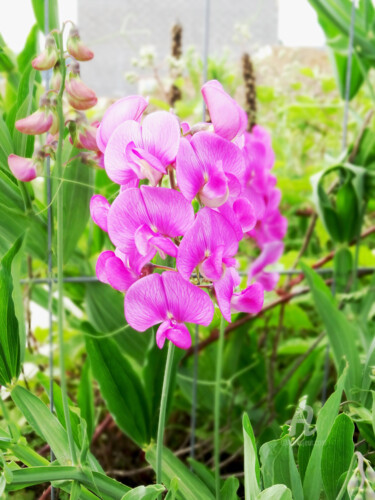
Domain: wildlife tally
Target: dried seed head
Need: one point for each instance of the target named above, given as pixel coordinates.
(250, 90)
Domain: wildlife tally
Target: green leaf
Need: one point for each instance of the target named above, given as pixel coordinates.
(10, 345)
(276, 492)
(337, 454)
(29, 51)
(229, 489)
(251, 462)
(190, 487)
(77, 192)
(24, 144)
(53, 14)
(43, 422)
(85, 398)
(341, 333)
(6, 145)
(121, 388)
(105, 310)
(312, 483)
(278, 466)
(151, 492)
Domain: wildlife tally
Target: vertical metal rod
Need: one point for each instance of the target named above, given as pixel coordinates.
(193, 421)
(47, 78)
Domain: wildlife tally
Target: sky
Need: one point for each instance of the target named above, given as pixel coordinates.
(298, 24)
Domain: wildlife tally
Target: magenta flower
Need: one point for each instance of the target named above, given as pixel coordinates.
(143, 152)
(210, 243)
(148, 219)
(128, 108)
(37, 123)
(249, 300)
(209, 167)
(170, 300)
(23, 169)
(120, 270)
(99, 208)
(270, 253)
(228, 118)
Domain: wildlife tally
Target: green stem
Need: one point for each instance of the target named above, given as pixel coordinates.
(26, 197)
(60, 255)
(219, 364)
(163, 409)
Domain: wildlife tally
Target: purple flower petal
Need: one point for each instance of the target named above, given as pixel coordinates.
(224, 291)
(249, 300)
(99, 208)
(128, 108)
(189, 171)
(161, 136)
(177, 333)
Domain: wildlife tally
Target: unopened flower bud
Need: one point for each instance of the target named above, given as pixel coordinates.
(24, 169)
(80, 96)
(48, 58)
(56, 78)
(37, 123)
(77, 48)
(87, 137)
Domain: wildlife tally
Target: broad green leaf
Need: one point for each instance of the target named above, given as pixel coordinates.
(312, 483)
(278, 466)
(341, 333)
(43, 422)
(105, 310)
(337, 454)
(151, 492)
(85, 398)
(23, 143)
(10, 344)
(190, 487)
(121, 388)
(203, 473)
(276, 492)
(251, 463)
(6, 145)
(77, 192)
(229, 489)
(53, 11)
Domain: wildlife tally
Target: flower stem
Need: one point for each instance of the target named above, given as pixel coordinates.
(163, 409)
(219, 364)
(60, 256)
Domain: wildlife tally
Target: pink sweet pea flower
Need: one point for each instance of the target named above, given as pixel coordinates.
(249, 300)
(210, 243)
(23, 169)
(48, 58)
(270, 253)
(143, 152)
(227, 116)
(80, 96)
(120, 270)
(128, 108)
(99, 208)
(210, 167)
(77, 48)
(37, 123)
(170, 300)
(147, 218)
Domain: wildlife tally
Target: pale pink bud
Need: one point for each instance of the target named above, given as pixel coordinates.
(48, 58)
(80, 96)
(87, 137)
(77, 48)
(37, 123)
(23, 169)
(56, 79)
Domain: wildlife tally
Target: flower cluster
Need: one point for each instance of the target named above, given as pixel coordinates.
(209, 187)
(45, 119)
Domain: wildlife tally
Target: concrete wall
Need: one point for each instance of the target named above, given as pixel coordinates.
(116, 29)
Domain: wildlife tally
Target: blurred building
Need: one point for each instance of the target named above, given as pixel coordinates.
(116, 30)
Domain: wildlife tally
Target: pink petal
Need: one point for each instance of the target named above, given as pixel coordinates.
(37, 123)
(164, 246)
(245, 213)
(128, 108)
(161, 136)
(224, 291)
(185, 301)
(99, 208)
(100, 270)
(117, 165)
(215, 191)
(119, 277)
(189, 171)
(146, 303)
(228, 118)
(177, 333)
(169, 212)
(209, 231)
(249, 300)
(271, 253)
(212, 268)
(23, 169)
(268, 280)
